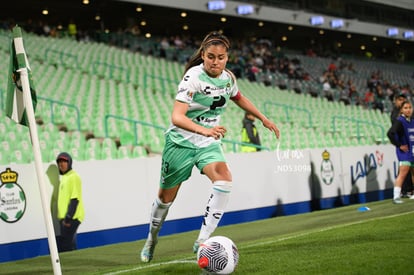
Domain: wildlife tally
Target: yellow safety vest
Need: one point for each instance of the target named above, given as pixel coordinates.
(245, 139)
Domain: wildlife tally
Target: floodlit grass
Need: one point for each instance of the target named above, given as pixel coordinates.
(335, 241)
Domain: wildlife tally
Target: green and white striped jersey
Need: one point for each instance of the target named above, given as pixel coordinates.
(207, 98)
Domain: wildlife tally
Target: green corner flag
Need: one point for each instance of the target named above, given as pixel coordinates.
(20, 106)
(15, 108)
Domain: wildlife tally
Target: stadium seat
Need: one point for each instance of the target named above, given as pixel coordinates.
(17, 156)
(124, 152)
(6, 147)
(107, 153)
(4, 158)
(138, 152)
(76, 153)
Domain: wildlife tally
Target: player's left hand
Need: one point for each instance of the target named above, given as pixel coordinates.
(271, 126)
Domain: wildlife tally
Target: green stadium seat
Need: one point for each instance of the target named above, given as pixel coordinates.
(52, 154)
(6, 147)
(108, 153)
(4, 158)
(138, 152)
(3, 129)
(76, 153)
(17, 156)
(124, 152)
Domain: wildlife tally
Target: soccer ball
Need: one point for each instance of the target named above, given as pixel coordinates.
(218, 255)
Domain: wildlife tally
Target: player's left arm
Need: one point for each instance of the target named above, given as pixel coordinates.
(245, 104)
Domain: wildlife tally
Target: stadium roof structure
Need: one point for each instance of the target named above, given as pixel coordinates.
(375, 27)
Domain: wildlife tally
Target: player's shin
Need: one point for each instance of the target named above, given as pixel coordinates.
(159, 212)
(215, 208)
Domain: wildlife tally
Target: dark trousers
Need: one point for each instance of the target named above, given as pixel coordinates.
(407, 186)
(67, 239)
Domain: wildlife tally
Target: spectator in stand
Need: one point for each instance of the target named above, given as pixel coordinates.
(72, 29)
(369, 98)
(332, 67)
(323, 77)
(251, 72)
(379, 98)
(373, 81)
(327, 90)
(344, 96)
(178, 42)
(354, 95)
(164, 46)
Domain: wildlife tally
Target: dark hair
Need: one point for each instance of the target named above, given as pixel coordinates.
(400, 95)
(212, 38)
(403, 103)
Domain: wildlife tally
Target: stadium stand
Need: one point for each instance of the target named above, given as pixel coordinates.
(102, 102)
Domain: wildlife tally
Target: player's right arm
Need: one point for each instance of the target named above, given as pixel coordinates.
(179, 119)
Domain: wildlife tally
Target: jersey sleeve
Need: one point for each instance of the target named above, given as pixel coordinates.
(395, 132)
(186, 88)
(237, 96)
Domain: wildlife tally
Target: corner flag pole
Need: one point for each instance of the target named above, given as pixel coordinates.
(27, 99)
(40, 174)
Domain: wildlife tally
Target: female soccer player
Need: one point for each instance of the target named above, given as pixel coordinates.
(401, 134)
(194, 137)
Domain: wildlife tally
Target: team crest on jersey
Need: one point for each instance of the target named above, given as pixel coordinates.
(12, 197)
(327, 168)
(228, 87)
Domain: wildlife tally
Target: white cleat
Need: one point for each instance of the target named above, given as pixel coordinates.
(397, 201)
(147, 251)
(197, 244)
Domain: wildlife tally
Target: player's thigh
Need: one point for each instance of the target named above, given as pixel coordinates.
(212, 163)
(177, 164)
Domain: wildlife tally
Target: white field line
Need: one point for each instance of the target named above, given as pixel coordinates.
(188, 261)
(326, 229)
(152, 265)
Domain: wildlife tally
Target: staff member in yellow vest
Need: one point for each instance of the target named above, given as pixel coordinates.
(70, 204)
(250, 134)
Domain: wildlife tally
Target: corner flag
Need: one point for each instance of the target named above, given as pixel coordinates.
(21, 101)
(15, 108)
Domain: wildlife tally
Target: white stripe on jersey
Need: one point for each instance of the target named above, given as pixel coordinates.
(207, 99)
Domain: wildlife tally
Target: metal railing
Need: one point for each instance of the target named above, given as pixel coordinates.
(287, 108)
(63, 57)
(132, 121)
(111, 69)
(56, 102)
(358, 123)
(237, 143)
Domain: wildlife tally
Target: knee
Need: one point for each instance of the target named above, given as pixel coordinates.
(167, 196)
(223, 173)
(223, 186)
